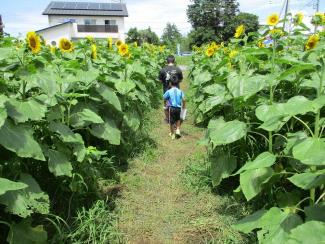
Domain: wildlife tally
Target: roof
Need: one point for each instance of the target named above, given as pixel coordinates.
(54, 26)
(86, 9)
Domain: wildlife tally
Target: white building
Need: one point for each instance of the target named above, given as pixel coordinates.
(76, 20)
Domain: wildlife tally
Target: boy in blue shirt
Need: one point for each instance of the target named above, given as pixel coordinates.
(175, 100)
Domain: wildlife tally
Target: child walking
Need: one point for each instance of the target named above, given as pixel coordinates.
(175, 100)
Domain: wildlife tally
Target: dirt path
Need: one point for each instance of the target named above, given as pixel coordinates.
(157, 207)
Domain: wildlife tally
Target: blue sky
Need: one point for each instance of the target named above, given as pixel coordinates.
(21, 16)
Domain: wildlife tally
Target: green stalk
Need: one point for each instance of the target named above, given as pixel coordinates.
(317, 130)
(272, 95)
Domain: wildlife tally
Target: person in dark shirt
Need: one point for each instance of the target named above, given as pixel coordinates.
(170, 73)
(167, 73)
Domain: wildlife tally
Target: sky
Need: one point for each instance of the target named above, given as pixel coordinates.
(21, 16)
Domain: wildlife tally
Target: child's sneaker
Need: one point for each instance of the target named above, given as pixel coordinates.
(178, 133)
(173, 136)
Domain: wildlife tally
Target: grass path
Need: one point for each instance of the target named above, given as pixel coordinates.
(157, 206)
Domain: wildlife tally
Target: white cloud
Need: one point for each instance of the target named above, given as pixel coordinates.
(157, 14)
(20, 23)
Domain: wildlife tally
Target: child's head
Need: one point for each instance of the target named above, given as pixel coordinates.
(170, 59)
(174, 82)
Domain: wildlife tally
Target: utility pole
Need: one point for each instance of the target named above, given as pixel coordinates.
(1, 27)
(285, 14)
(317, 10)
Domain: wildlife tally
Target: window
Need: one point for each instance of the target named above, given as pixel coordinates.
(110, 22)
(90, 22)
(70, 20)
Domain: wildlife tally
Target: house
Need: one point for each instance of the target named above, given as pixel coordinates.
(1, 26)
(77, 20)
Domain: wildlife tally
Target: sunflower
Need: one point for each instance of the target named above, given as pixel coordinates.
(297, 20)
(233, 54)
(93, 51)
(209, 52)
(65, 45)
(276, 33)
(90, 39)
(110, 42)
(34, 42)
(260, 43)
(273, 19)
(123, 50)
(240, 30)
(312, 41)
(53, 49)
(318, 19)
(118, 43)
(214, 46)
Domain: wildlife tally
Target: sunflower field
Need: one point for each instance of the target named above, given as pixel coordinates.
(70, 117)
(262, 98)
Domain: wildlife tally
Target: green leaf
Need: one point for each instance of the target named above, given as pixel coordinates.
(295, 70)
(250, 223)
(280, 233)
(251, 181)
(211, 102)
(59, 163)
(47, 81)
(85, 118)
(263, 160)
(26, 201)
(109, 95)
(5, 53)
(202, 78)
(132, 120)
(221, 167)
(309, 180)
(294, 139)
(65, 133)
(86, 77)
(107, 131)
(261, 219)
(315, 212)
(124, 87)
(309, 232)
(222, 133)
(311, 151)
(245, 85)
(19, 139)
(8, 185)
(22, 111)
(23, 232)
(3, 116)
(276, 115)
(215, 89)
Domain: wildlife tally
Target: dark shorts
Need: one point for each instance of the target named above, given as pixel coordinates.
(174, 115)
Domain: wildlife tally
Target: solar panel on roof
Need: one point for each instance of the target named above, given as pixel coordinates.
(93, 6)
(69, 5)
(116, 7)
(57, 5)
(82, 6)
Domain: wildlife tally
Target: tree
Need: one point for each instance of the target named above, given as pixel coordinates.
(202, 35)
(133, 36)
(171, 35)
(216, 15)
(142, 36)
(249, 20)
(148, 36)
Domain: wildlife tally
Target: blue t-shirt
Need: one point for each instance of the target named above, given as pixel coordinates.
(175, 97)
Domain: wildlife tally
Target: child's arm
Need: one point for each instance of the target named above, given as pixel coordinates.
(184, 104)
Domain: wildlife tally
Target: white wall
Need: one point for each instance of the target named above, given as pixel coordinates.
(100, 20)
(58, 32)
